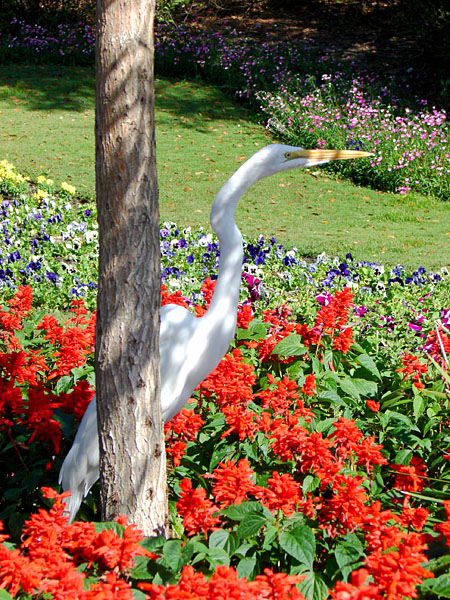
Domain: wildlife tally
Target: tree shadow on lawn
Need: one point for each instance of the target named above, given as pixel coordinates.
(48, 87)
(61, 88)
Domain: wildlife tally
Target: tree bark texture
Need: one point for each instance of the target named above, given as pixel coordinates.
(132, 456)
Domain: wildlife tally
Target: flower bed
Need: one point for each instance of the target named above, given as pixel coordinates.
(313, 462)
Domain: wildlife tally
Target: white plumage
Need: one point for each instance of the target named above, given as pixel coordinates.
(190, 348)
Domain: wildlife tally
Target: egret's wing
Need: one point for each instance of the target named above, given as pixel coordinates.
(177, 331)
(80, 469)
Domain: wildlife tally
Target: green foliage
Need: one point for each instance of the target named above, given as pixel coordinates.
(169, 11)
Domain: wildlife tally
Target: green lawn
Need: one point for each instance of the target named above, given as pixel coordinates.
(47, 126)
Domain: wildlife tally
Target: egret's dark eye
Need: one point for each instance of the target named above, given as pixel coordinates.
(288, 155)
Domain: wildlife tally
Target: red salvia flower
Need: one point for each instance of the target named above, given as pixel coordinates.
(345, 510)
(231, 381)
(315, 456)
(185, 425)
(243, 423)
(281, 396)
(74, 341)
(39, 415)
(62, 580)
(287, 437)
(233, 482)
(309, 387)
(18, 572)
(282, 493)
(112, 588)
(80, 541)
(380, 528)
(277, 586)
(44, 531)
(369, 453)
(412, 517)
(444, 528)
(356, 589)
(114, 551)
(345, 437)
(197, 511)
(19, 307)
(280, 327)
(175, 298)
(310, 337)
(343, 340)
(176, 450)
(373, 405)
(77, 401)
(225, 585)
(398, 572)
(244, 315)
(412, 477)
(413, 369)
(11, 403)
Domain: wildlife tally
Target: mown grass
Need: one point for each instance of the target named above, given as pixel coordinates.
(47, 126)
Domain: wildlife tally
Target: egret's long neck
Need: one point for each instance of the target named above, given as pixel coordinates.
(223, 308)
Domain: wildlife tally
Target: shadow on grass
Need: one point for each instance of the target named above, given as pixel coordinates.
(49, 87)
(61, 88)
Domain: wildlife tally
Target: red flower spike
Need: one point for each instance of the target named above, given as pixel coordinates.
(282, 493)
(197, 511)
(112, 588)
(357, 589)
(233, 482)
(412, 477)
(398, 572)
(18, 572)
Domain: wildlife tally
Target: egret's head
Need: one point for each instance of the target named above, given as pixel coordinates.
(279, 157)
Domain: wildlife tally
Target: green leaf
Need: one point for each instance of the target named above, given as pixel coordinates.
(250, 451)
(325, 425)
(219, 452)
(365, 387)
(251, 524)
(314, 587)
(404, 419)
(270, 534)
(4, 595)
(116, 527)
(332, 397)
(299, 543)
(368, 363)
(221, 538)
(140, 570)
(349, 388)
(310, 483)
(138, 595)
(439, 586)
(217, 556)
(64, 384)
(240, 511)
(246, 566)
(172, 554)
(153, 544)
(347, 553)
(439, 563)
(292, 345)
(256, 330)
(218, 538)
(419, 404)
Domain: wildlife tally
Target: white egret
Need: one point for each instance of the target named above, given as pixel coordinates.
(190, 348)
